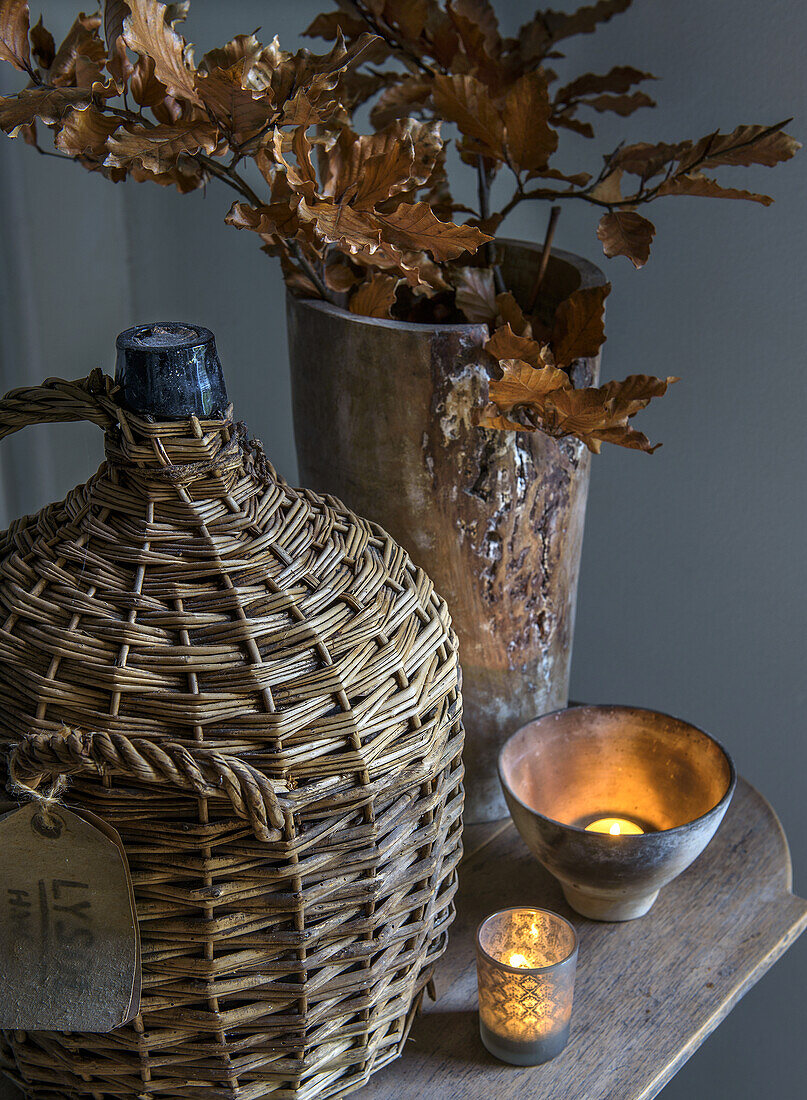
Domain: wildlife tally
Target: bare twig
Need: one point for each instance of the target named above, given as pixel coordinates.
(46, 153)
(297, 252)
(554, 214)
(483, 191)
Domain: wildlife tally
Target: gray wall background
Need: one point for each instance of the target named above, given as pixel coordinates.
(692, 597)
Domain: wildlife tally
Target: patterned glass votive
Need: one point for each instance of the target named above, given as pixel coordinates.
(526, 961)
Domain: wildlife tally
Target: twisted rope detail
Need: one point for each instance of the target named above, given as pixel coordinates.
(204, 771)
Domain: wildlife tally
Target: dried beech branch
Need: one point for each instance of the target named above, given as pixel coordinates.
(368, 220)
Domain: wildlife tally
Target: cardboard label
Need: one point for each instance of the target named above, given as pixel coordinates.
(69, 944)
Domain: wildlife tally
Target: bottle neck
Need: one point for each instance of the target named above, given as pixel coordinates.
(170, 370)
(190, 458)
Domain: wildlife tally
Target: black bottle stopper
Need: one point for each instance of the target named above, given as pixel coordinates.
(169, 370)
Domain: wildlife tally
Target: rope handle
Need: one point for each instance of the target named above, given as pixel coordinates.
(58, 400)
(204, 771)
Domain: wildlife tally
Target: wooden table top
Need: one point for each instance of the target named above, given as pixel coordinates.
(648, 991)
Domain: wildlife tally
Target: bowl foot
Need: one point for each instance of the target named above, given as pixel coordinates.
(597, 907)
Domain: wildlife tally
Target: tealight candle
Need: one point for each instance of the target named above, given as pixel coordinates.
(526, 961)
(616, 826)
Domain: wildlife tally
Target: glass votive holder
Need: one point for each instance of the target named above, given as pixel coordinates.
(525, 964)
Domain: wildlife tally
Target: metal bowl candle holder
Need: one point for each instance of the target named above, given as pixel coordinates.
(615, 801)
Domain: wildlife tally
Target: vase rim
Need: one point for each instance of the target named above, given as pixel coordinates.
(590, 276)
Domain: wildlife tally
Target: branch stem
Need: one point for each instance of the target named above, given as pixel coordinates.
(554, 214)
(311, 272)
(483, 192)
(380, 27)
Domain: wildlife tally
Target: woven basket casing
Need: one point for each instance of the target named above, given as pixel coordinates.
(263, 696)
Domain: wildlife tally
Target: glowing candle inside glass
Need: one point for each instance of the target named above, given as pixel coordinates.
(526, 960)
(616, 826)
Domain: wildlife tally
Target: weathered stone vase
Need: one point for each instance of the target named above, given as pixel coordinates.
(382, 419)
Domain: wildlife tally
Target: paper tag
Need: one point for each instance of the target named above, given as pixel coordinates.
(69, 943)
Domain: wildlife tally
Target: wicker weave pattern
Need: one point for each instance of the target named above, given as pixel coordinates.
(264, 690)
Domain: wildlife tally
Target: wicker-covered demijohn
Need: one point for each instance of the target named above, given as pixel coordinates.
(259, 691)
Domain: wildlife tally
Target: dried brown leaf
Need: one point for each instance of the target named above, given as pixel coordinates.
(417, 268)
(277, 218)
(766, 145)
(443, 40)
(569, 122)
(465, 101)
(475, 292)
(529, 138)
(427, 172)
(88, 74)
(387, 172)
(610, 188)
(506, 344)
(619, 80)
(622, 105)
(481, 12)
(330, 24)
(355, 88)
(415, 227)
(300, 111)
(157, 149)
(601, 415)
(42, 45)
(14, 46)
(374, 298)
(365, 169)
(146, 31)
(49, 104)
(626, 233)
(244, 47)
(522, 384)
(400, 100)
(536, 38)
(475, 23)
(147, 90)
(295, 278)
(115, 12)
(82, 40)
(409, 16)
(352, 231)
(695, 183)
(340, 277)
(86, 132)
(300, 171)
(578, 331)
(185, 177)
(119, 66)
(585, 20)
(509, 312)
(577, 179)
(647, 160)
(240, 111)
(634, 392)
(317, 74)
(177, 12)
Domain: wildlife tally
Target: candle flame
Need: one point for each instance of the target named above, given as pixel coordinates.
(519, 960)
(615, 826)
